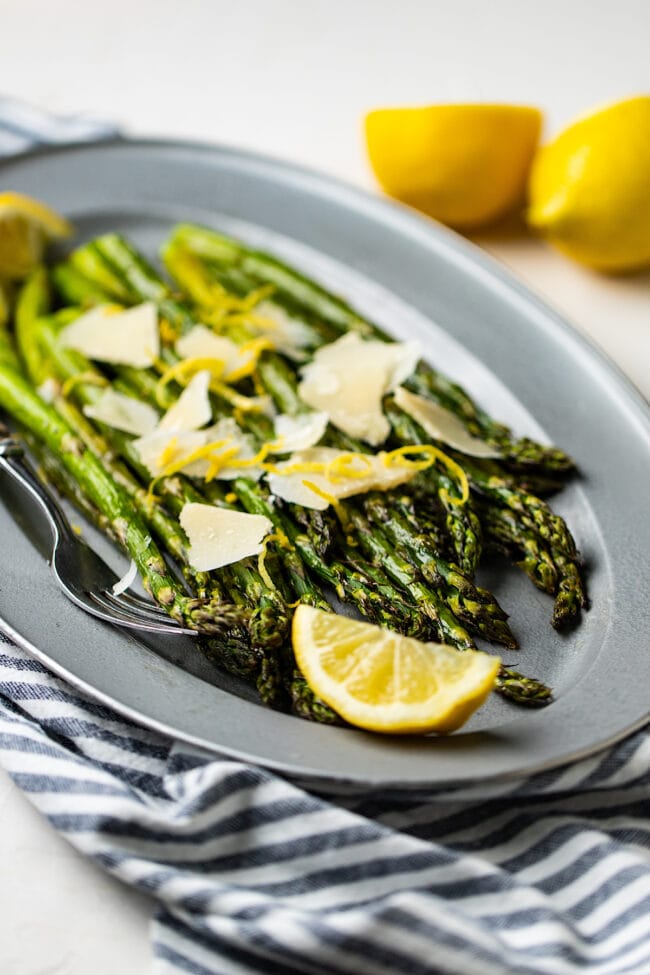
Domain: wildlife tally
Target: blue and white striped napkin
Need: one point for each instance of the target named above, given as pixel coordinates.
(549, 875)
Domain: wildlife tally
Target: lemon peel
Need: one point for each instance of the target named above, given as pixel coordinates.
(88, 377)
(464, 164)
(26, 226)
(386, 682)
(589, 188)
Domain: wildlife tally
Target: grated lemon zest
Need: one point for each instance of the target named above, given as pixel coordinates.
(306, 467)
(255, 347)
(189, 269)
(341, 469)
(399, 458)
(167, 454)
(89, 377)
(279, 537)
(219, 461)
(341, 514)
(151, 496)
(257, 385)
(200, 453)
(181, 370)
(168, 332)
(246, 404)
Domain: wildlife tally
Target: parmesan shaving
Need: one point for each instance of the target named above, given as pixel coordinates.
(127, 337)
(334, 474)
(126, 581)
(227, 428)
(201, 342)
(162, 448)
(288, 334)
(442, 425)
(298, 432)
(348, 379)
(49, 390)
(192, 409)
(123, 413)
(219, 536)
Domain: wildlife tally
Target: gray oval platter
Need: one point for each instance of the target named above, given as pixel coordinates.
(475, 323)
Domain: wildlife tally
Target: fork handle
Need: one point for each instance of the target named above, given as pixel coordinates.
(15, 464)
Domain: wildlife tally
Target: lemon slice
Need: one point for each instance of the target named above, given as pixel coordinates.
(25, 227)
(382, 681)
(465, 165)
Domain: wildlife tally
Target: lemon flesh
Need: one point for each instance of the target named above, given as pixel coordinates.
(589, 190)
(465, 165)
(26, 225)
(386, 682)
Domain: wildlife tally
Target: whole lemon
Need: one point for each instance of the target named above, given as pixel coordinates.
(589, 189)
(465, 165)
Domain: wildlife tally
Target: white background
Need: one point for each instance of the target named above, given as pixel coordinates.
(293, 78)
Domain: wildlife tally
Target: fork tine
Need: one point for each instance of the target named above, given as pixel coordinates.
(132, 602)
(114, 612)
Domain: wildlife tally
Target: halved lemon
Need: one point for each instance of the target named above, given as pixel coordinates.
(383, 681)
(26, 225)
(5, 303)
(465, 165)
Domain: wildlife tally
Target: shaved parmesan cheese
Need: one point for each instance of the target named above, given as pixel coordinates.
(290, 335)
(219, 536)
(192, 409)
(348, 378)
(161, 448)
(299, 432)
(128, 337)
(442, 425)
(123, 413)
(49, 389)
(368, 472)
(126, 581)
(227, 429)
(202, 343)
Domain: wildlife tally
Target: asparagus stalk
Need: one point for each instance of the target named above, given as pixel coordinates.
(116, 251)
(19, 399)
(262, 268)
(470, 606)
(533, 515)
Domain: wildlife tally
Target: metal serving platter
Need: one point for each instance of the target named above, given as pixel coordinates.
(519, 358)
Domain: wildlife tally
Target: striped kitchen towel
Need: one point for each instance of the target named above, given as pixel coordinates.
(548, 875)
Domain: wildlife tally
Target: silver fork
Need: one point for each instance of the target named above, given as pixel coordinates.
(82, 575)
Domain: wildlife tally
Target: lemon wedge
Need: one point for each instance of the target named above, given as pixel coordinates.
(589, 189)
(26, 225)
(465, 165)
(382, 681)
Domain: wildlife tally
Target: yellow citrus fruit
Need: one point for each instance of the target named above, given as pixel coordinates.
(5, 303)
(383, 681)
(465, 165)
(25, 227)
(589, 189)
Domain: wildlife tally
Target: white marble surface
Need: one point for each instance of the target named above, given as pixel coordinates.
(293, 79)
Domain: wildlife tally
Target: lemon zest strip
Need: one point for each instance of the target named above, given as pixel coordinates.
(246, 404)
(167, 453)
(199, 453)
(279, 537)
(400, 458)
(180, 370)
(342, 469)
(89, 377)
(255, 347)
